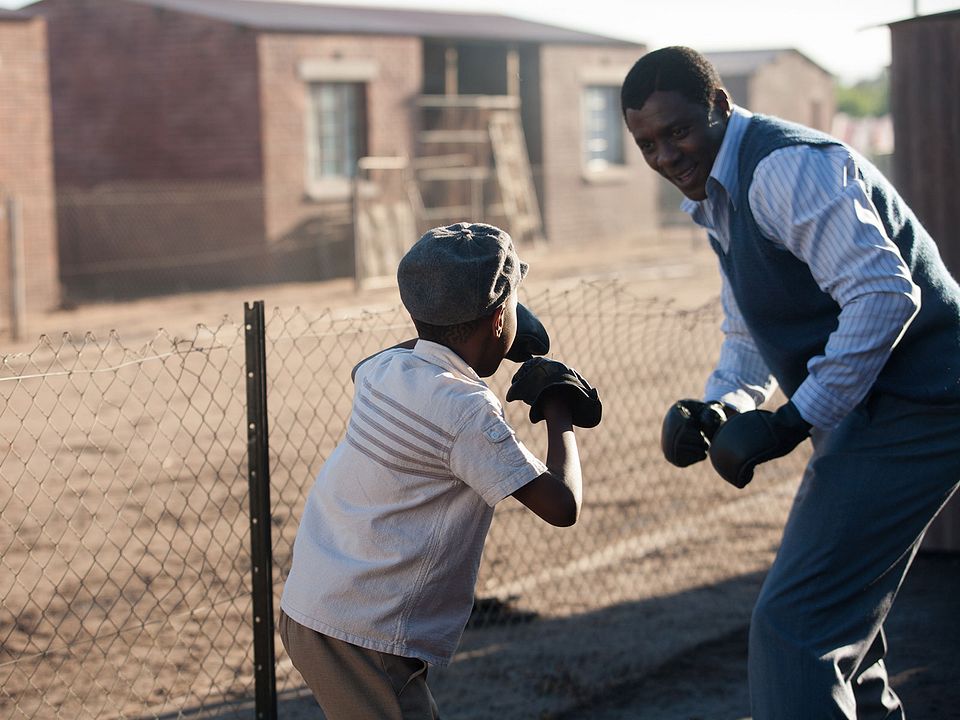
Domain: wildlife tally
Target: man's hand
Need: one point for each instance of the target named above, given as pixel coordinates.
(688, 427)
(754, 437)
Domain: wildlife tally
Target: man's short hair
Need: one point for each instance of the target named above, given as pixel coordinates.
(670, 69)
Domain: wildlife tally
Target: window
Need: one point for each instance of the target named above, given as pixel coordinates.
(602, 127)
(336, 130)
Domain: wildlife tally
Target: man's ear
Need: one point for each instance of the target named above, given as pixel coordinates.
(722, 103)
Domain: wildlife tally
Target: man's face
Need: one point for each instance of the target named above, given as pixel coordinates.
(679, 138)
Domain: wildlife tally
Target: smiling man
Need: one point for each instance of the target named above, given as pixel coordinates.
(833, 291)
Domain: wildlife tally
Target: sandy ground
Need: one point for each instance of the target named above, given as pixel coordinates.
(674, 264)
(668, 663)
(709, 682)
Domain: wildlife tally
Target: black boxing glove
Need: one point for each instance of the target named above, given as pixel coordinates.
(532, 338)
(688, 428)
(539, 377)
(754, 437)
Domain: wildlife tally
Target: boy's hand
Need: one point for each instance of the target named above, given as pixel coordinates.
(539, 378)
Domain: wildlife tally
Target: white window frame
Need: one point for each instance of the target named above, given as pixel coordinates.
(611, 169)
(335, 81)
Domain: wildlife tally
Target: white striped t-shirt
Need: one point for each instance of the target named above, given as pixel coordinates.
(388, 548)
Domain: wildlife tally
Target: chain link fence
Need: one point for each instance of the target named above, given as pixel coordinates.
(124, 538)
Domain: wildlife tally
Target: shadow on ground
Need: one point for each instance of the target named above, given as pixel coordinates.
(709, 682)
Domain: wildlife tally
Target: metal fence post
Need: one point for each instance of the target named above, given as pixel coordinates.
(18, 292)
(264, 654)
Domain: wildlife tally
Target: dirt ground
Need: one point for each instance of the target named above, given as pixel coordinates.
(680, 673)
(676, 263)
(709, 681)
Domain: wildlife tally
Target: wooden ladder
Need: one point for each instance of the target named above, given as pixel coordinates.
(515, 178)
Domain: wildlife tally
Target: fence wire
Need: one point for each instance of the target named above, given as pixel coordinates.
(123, 540)
(124, 501)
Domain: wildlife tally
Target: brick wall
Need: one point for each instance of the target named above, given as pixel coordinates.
(156, 141)
(25, 161)
(141, 93)
(792, 88)
(392, 72)
(579, 206)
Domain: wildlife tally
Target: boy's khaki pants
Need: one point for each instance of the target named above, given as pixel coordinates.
(354, 683)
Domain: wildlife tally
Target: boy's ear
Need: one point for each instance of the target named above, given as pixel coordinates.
(498, 321)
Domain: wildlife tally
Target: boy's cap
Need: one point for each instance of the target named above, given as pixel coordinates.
(458, 273)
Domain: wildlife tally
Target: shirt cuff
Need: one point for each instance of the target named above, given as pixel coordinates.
(739, 400)
(818, 406)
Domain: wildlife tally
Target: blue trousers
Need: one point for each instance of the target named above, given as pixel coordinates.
(870, 490)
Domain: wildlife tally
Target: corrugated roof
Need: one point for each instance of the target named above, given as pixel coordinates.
(315, 18)
(14, 15)
(946, 15)
(744, 62)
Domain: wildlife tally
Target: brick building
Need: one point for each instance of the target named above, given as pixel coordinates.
(26, 171)
(784, 82)
(202, 143)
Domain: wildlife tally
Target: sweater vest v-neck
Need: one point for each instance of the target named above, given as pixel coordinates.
(790, 318)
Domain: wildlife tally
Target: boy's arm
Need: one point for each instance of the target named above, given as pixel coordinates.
(405, 345)
(556, 494)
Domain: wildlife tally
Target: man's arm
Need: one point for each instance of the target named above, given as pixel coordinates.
(811, 202)
(741, 378)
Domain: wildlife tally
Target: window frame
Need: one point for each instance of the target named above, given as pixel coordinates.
(337, 74)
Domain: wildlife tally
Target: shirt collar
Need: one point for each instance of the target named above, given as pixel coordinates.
(725, 171)
(444, 357)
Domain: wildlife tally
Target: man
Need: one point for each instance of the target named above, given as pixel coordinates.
(834, 291)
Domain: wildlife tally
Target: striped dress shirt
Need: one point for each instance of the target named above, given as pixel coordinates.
(809, 201)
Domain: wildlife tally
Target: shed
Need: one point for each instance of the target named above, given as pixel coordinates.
(210, 142)
(925, 57)
(782, 82)
(28, 245)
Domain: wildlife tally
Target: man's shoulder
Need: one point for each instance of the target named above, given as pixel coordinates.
(766, 133)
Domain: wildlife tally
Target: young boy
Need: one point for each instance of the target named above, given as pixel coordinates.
(386, 556)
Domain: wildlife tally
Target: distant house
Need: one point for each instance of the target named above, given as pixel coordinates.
(202, 143)
(785, 83)
(925, 57)
(26, 166)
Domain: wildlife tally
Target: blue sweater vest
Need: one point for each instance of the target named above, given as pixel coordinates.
(790, 317)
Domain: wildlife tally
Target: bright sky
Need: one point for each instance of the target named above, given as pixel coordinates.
(841, 35)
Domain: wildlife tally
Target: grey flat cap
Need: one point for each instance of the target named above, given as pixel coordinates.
(458, 273)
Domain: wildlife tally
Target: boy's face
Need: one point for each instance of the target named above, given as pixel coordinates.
(503, 331)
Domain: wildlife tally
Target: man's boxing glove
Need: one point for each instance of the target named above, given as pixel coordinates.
(688, 428)
(754, 437)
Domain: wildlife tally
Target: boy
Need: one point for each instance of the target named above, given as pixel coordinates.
(386, 556)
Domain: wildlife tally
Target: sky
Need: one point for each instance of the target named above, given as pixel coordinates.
(849, 38)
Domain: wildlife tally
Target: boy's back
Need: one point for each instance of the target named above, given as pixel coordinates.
(387, 553)
(395, 524)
